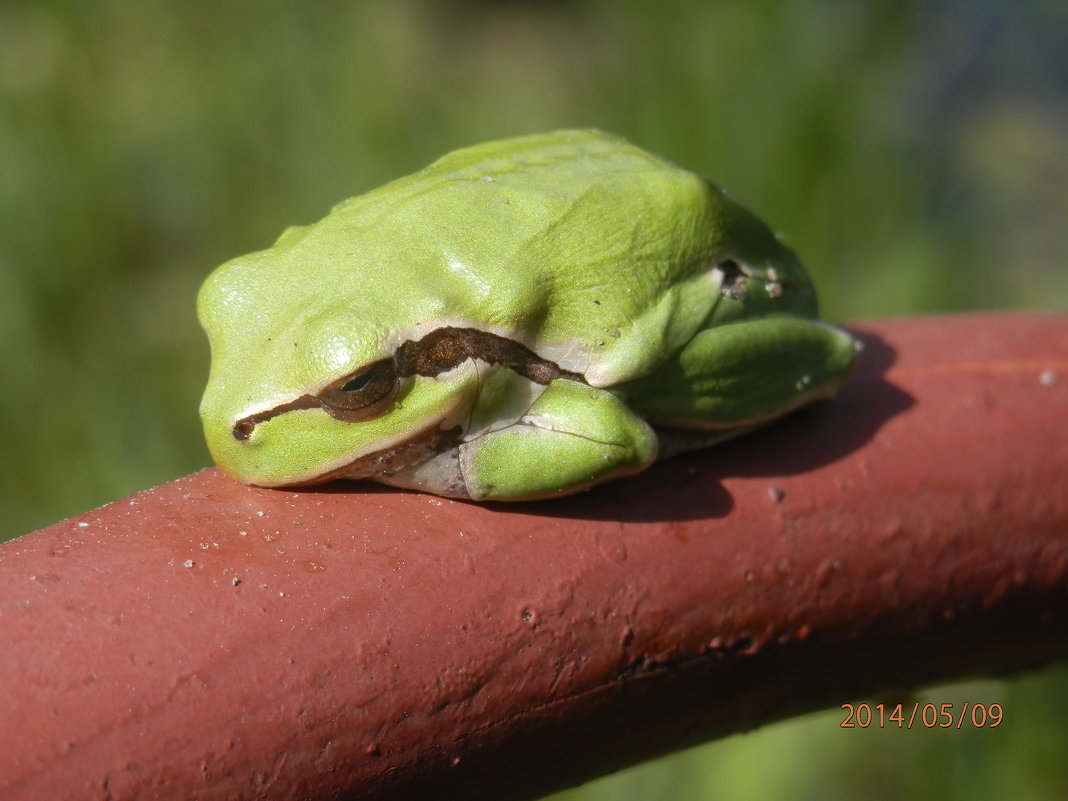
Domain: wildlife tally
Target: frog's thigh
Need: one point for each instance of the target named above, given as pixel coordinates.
(572, 437)
(745, 373)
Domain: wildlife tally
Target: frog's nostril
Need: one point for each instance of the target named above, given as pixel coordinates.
(243, 430)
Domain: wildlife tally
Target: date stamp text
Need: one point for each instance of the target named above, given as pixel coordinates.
(928, 716)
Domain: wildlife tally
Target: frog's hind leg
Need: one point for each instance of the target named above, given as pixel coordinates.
(732, 378)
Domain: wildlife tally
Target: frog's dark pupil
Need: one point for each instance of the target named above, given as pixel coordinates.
(356, 383)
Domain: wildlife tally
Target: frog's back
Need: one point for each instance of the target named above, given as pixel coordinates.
(580, 244)
(553, 206)
(572, 238)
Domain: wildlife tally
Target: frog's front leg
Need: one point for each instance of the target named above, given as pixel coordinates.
(572, 436)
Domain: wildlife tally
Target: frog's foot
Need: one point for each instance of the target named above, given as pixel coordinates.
(572, 437)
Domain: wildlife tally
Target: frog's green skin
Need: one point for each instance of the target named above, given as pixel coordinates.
(510, 323)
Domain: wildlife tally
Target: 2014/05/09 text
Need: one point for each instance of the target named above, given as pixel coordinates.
(930, 716)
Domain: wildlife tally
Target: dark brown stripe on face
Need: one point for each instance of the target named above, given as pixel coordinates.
(438, 352)
(445, 348)
(244, 427)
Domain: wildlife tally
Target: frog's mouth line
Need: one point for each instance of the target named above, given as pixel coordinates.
(365, 393)
(395, 458)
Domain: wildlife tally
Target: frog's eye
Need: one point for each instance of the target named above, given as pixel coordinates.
(363, 394)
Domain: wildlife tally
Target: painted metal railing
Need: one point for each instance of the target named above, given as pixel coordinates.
(206, 640)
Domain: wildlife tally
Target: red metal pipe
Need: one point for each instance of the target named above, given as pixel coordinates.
(206, 640)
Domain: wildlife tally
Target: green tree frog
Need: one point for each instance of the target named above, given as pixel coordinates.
(521, 319)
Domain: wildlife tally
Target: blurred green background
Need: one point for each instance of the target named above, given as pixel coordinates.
(914, 153)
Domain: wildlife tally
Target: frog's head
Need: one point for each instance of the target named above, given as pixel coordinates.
(302, 390)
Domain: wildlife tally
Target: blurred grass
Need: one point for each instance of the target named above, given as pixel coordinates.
(914, 153)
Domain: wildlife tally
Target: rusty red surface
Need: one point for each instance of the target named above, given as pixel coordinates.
(206, 640)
